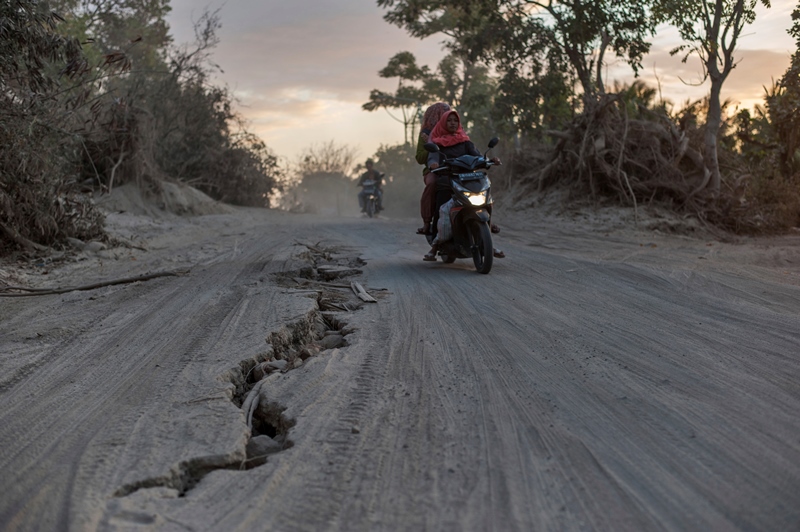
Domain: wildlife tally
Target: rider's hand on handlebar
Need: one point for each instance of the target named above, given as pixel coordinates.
(496, 160)
(434, 166)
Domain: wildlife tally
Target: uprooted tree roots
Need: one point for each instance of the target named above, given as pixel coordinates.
(640, 155)
(641, 158)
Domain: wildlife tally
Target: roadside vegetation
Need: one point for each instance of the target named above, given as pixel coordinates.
(532, 71)
(94, 94)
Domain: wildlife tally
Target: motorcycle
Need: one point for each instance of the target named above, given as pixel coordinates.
(469, 214)
(370, 190)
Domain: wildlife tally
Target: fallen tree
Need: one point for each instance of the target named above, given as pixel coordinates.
(639, 155)
(606, 151)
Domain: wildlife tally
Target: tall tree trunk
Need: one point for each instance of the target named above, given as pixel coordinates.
(584, 73)
(604, 42)
(713, 123)
(465, 112)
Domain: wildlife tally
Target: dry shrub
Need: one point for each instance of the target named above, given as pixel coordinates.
(760, 204)
(642, 155)
(633, 153)
(39, 200)
(521, 167)
(40, 204)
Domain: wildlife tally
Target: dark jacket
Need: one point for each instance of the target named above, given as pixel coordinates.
(451, 152)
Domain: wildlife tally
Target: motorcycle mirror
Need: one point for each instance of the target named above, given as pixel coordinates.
(493, 142)
(431, 147)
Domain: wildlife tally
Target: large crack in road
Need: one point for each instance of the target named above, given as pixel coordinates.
(288, 348)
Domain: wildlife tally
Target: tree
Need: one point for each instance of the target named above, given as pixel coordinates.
(470, 27)
(711, 30)
(30, 42)
(327, 158)
(535, 90)
(409, 97)
(39, 202)
(114, 25)
(323, 181)
(783, 105)
(164, 118)
(418, 86)
(583, 31)
(533, 44)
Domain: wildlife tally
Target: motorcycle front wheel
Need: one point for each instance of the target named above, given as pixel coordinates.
(482, 255)
(370, 208)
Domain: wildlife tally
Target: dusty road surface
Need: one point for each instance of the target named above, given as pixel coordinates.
(594, 380)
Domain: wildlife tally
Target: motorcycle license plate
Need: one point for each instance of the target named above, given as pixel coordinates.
(470, 176)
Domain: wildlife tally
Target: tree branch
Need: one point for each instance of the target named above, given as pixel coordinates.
(50, 291)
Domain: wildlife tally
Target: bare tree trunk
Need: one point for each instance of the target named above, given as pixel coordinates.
(584, 73)
(713, 123)
(605, 41)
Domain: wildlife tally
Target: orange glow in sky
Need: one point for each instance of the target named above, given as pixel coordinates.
(301, 69)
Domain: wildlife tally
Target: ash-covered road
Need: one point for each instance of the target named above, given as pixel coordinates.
(587, 383)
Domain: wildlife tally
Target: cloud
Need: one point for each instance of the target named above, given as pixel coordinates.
(301, 69)
(681, 81)
(286, 110)
(333, 46)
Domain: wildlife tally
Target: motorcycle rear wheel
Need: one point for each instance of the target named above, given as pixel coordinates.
(482, 255)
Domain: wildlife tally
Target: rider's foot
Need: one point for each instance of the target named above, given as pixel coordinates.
(498, 253)
(425, 229)
(431, 255)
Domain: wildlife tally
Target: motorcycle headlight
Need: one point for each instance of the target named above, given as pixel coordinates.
(476, 198)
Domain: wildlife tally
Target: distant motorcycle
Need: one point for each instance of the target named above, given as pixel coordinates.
(370, 189)
(469, 213)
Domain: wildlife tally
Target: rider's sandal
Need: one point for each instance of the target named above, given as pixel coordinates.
(498, 254)
(430, 257)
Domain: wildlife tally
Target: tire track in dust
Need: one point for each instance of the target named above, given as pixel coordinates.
(614, 347)
(587, 399)
(132, 380)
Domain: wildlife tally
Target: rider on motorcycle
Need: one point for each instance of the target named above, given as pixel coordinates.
(374, 175)
(453, 142)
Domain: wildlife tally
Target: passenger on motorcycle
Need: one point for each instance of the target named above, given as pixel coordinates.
(373, 174)
(453, 142)
(428, 199)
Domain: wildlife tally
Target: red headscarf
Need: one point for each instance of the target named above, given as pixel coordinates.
(444, 138)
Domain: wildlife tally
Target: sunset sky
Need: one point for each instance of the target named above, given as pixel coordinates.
(301, 69)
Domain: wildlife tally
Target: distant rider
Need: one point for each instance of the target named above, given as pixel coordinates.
(373, 174)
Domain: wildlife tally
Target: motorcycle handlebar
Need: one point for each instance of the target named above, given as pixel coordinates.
(445, 165)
